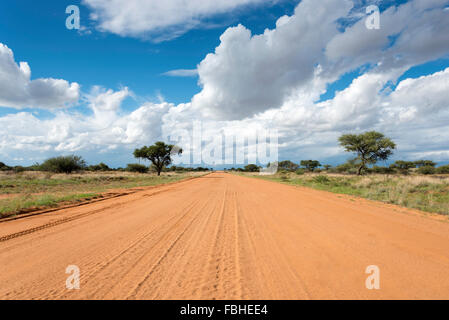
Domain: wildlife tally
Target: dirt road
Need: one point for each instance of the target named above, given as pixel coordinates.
(226, 237)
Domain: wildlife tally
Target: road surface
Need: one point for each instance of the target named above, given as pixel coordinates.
(226, 237)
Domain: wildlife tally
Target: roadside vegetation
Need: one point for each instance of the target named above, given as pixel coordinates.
(426, 193)
(37, 190)
(416, 184)
(69, 179)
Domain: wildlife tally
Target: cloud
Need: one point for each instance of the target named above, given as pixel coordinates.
(17, 90)
(182, 73)
(158, 20)
(274, 81)
(415, 115)
(248, 74)
(106, 130)
(410, 34)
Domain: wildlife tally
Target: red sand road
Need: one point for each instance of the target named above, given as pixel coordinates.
(226, 237)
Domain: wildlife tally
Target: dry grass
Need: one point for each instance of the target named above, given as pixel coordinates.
(40, 190)
(426, 193)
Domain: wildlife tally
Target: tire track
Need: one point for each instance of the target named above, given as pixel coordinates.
(137, 257)
(227, 238)
(71, 218)
(139, 242)
(164, 255)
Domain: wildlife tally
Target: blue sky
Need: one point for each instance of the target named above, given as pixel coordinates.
(119, 62)
(37, 33)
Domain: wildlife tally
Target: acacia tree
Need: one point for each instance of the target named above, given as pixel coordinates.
(310, 165)
(160, 154)
(403, 166)
(370, 147)
(424, 163)
(288, 165)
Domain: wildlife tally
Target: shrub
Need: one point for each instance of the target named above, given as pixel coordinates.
(252, 168)
(348, 167)
(34, 167)
(135, 167)
(66, 164)
(427, 170)
(382, 170)
(100, 167)
(4, 167)
(443, 170)
(19, 169)
(321, 179)
(300, 172)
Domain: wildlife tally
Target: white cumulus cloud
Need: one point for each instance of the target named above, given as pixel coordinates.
(274, 80)
(17, 90)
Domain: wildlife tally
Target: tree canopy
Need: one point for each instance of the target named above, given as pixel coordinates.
(370, 147)
(403, 166)
(310, 165)
(160, 154)
(288, 165)
(424, 163)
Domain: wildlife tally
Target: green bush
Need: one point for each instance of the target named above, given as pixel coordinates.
(19, 169)
(67, 164)
(346, 168)
(135, 167)
(99, 167)
(427, 170)
(252, 168)
(4, 167)
(443, 170)
(300, 172)
(382, 170)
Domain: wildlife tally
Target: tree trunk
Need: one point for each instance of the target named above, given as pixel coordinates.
(360, 169)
